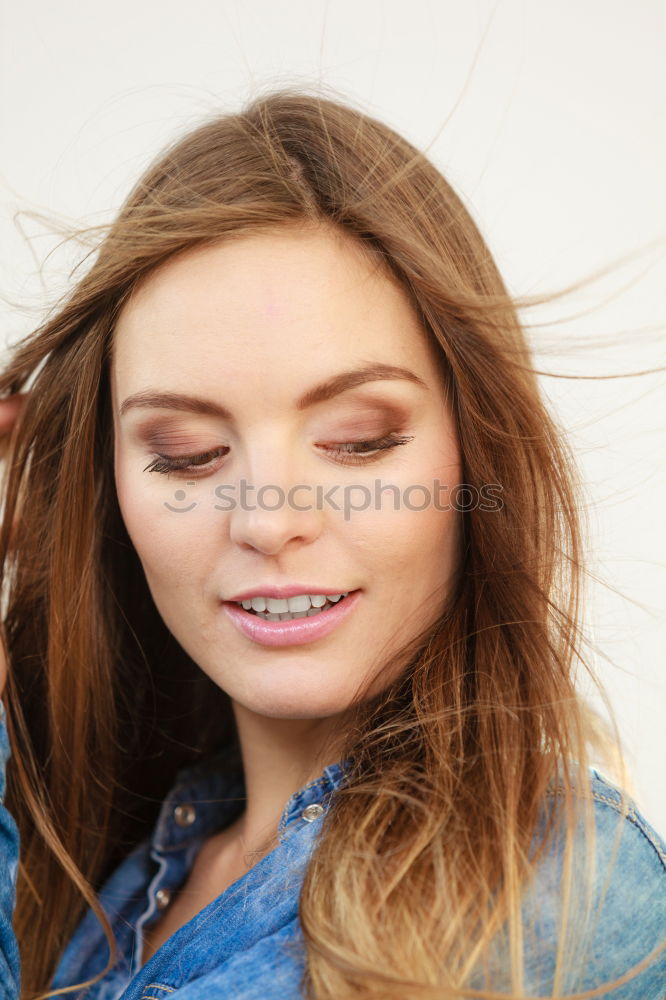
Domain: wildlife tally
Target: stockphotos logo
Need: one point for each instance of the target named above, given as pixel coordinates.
(349, 498)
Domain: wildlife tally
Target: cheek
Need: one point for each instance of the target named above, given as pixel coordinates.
(409, 550)
(425, 550)
(163, 521)
(416, 547)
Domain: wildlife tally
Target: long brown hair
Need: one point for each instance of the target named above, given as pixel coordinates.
(425, 852)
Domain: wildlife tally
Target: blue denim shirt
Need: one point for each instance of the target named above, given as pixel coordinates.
(247, 944)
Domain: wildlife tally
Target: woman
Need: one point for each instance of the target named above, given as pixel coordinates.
(292, 563)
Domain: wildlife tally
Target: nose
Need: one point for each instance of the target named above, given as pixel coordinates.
(272, 512)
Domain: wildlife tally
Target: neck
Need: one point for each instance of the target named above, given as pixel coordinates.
(279, 756)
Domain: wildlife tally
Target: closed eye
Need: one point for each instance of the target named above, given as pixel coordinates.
(349, 453)
(358, 452)
(183, 463)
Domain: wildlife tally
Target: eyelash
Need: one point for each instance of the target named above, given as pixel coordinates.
(189, 463)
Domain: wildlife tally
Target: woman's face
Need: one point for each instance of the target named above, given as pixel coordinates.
(250, 328)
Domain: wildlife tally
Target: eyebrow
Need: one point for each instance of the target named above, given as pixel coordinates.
(326, 390)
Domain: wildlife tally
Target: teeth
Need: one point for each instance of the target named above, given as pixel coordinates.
(284, 609)
(301, 603)
(276, 606)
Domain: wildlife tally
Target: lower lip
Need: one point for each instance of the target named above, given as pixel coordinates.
(296, 632)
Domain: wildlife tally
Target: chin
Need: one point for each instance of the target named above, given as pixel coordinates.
(286, 708)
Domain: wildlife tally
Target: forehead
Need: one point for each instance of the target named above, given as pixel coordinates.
(282, 302)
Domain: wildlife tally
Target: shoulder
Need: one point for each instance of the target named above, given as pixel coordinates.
(618, 815)
(616, 881)
(624, 839)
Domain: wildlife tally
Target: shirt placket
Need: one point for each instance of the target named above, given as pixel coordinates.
(196, 808)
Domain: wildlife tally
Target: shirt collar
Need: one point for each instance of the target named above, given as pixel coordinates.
(209, 795)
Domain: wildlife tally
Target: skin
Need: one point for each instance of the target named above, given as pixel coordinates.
(252, 324)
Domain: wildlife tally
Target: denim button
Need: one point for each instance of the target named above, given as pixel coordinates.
(311, 812)
(184, 815)
(162, 898)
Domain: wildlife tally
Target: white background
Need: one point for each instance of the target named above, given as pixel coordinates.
(548, 118)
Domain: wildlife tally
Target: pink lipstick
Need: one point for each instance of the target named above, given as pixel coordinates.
(296, 632)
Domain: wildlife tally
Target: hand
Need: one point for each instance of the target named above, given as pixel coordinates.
(9, 411)
(10, 407)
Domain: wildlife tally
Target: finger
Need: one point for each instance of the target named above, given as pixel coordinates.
(9, 411)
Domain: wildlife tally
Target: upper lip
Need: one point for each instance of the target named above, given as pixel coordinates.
(284, 591)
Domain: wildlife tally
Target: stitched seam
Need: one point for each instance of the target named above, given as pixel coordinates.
(630, 815)
(312, 785)
(158, 986)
